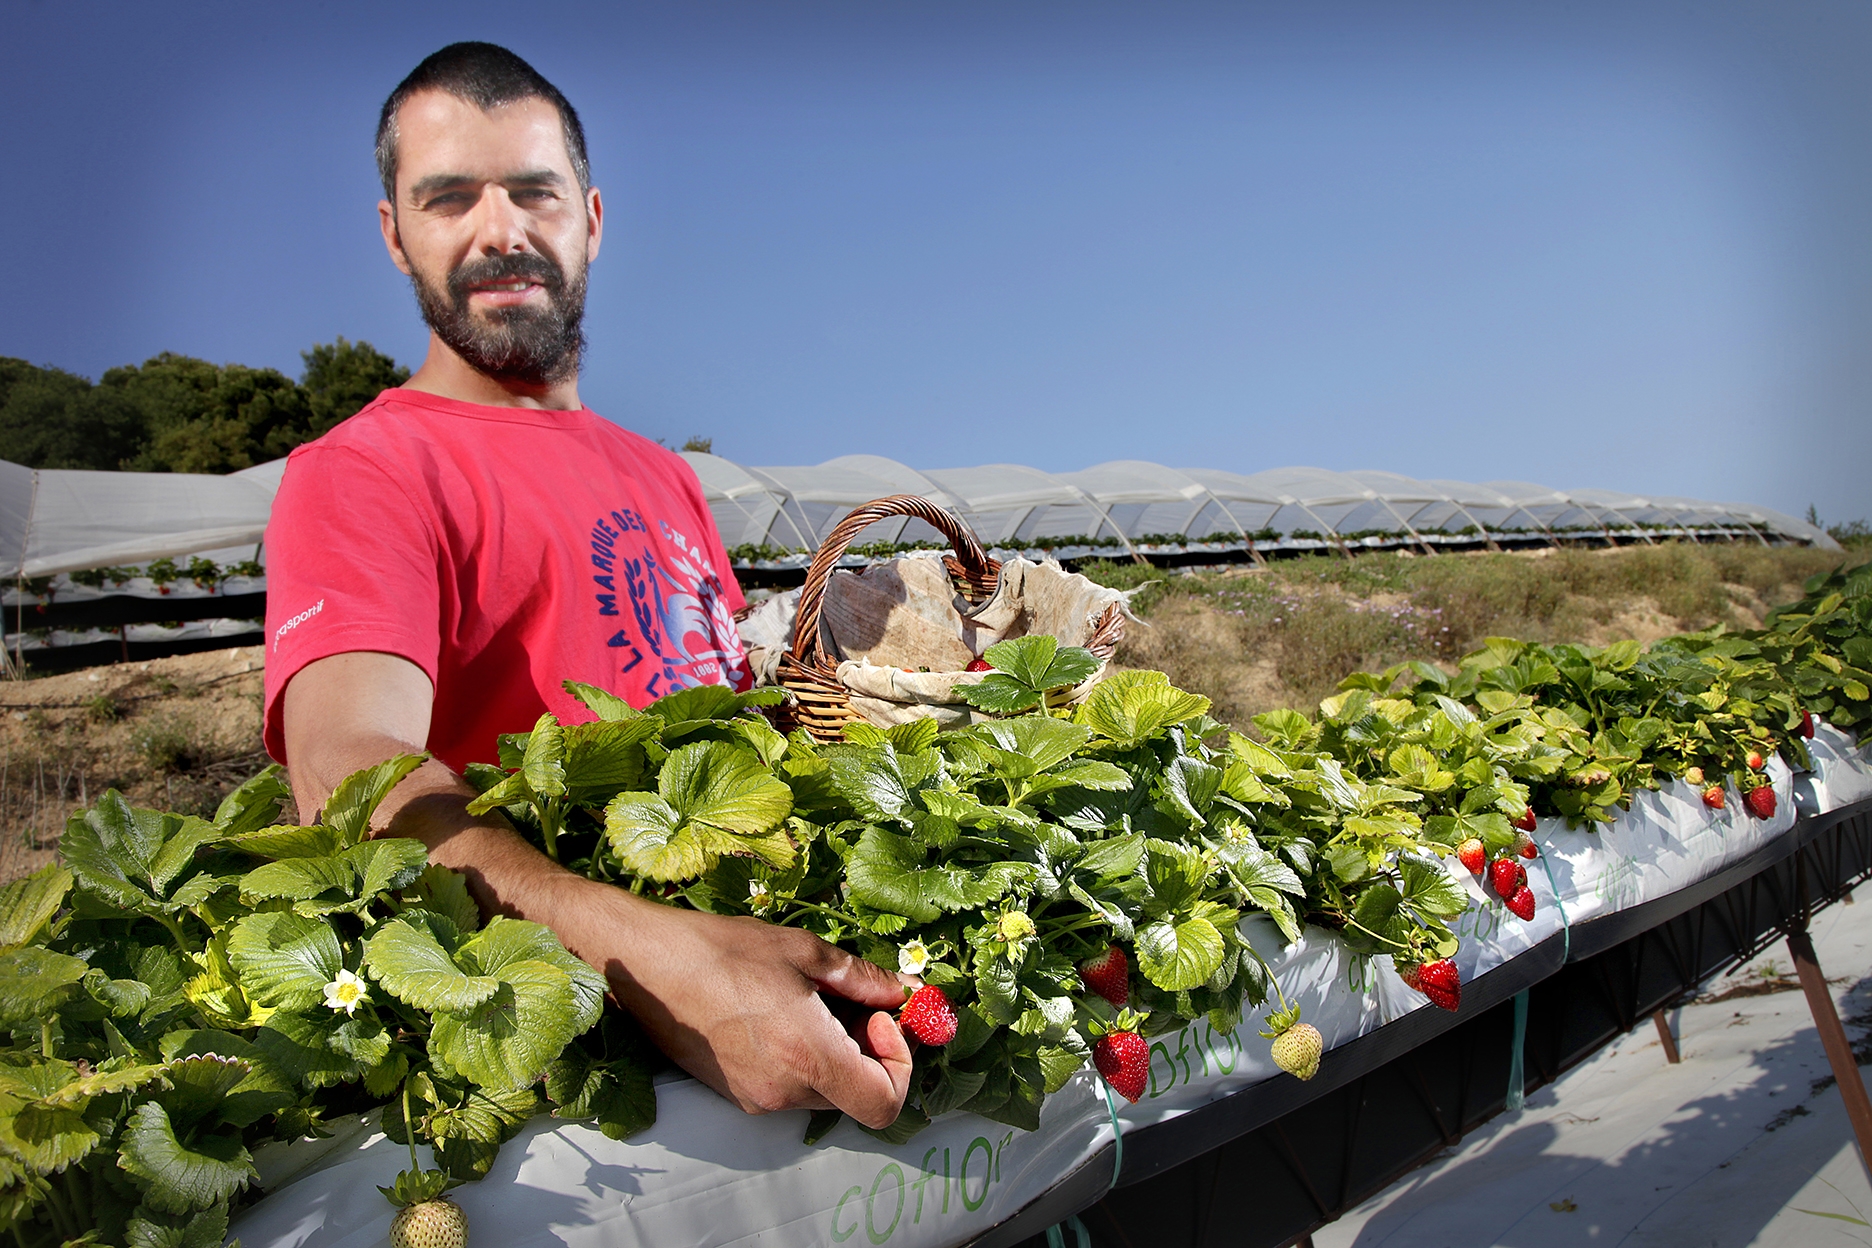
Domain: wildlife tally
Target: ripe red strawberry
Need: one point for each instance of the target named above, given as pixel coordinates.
(1441, 982)
(979, 665)
(1297, 1050)
(1109, 975)
(1522, 903)
(1526, 821)
(1525, 846)
(1713, 797)
(928, 1016)
(1473, 855)
(1761, 801)
(1123, 1057)
(1806, 728)
(1502, 877)
(1755, 760)
(1693, 776)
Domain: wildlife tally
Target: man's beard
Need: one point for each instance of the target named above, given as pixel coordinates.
(521, 346)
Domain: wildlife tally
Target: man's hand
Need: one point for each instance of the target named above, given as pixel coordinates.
(735, 1002)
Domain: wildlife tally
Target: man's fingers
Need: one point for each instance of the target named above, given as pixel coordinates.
(855, 979)
(868, 1078)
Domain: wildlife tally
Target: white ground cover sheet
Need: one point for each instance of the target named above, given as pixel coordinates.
(706, 1174)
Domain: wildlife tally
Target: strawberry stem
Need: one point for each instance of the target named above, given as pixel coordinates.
(409, 1129)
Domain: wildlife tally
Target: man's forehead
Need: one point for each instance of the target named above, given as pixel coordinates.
(442, 133)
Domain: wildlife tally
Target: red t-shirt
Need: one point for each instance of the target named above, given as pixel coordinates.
(502, 550)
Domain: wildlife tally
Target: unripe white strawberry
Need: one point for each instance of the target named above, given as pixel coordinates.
(438, 1223)
(1297, 1050)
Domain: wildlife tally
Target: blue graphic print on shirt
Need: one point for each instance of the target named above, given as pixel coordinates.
(683, 626)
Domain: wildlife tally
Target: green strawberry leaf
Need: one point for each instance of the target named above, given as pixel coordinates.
(148, 1228)
(1429, 888)
(255, 804)
(45, 1137)
(355, 800)
(509, 1040)
(887, 872)
(1176, 873)
(445, 892)
(712, 798)
(1129, 708)
(412, 956)
(1000, 694)
(199, 1085)
(181, 1178)
(608, 707)
(1041, 663)
(288, 841)
(27, 905)
(617, 1094)
(543, 763)
(132, 856)
(544, 998)
(608, 757)
(36, 981)
(305, 1047)
(1032, 744)
(285, 960)
(1179, 955)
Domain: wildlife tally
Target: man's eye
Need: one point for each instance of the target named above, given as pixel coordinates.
(454, 199)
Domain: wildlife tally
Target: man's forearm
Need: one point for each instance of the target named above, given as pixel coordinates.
(505, 875)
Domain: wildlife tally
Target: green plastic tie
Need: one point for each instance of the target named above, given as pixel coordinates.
(1517, 1074)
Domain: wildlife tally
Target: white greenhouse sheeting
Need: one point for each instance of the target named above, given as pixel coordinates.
(1127, 500)
(64, 520)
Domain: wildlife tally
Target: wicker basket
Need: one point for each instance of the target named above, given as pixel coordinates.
(821, 703)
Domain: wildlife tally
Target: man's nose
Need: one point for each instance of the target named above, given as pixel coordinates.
(500, 226)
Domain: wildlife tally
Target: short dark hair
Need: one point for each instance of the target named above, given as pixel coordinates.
(487, 76)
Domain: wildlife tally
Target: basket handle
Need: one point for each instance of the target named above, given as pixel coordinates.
(974, 559)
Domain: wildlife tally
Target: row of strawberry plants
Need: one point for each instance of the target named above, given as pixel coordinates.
(181, 991)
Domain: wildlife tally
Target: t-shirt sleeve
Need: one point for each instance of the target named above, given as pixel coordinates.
(351, 561)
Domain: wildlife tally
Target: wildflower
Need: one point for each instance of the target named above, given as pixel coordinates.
(912, 958)
(346, 993)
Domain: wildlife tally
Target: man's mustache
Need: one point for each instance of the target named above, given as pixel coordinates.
(520, 266)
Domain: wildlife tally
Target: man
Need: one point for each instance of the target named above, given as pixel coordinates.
(440, 562)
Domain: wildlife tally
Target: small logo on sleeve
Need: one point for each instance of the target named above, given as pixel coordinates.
(296, 621)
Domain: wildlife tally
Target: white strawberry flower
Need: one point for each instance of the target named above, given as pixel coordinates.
(346, 993)
(759, 897)
(912, 958)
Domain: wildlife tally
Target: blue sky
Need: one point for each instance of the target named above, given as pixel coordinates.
(1591, 245)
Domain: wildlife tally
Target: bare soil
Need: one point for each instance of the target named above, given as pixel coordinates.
(176, 733)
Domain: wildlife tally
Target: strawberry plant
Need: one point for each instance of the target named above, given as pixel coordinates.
(182, 990)
(1128, 836)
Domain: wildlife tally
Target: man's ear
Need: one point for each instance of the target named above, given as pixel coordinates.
(392, 241)
(594, 224)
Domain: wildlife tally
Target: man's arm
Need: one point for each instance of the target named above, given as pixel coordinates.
(735, 1002)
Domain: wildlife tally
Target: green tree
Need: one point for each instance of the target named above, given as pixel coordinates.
(219, 420)
(341, 377)
(50, 418)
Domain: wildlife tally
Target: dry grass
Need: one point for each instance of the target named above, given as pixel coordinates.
(1285, 635)
(175, 733)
